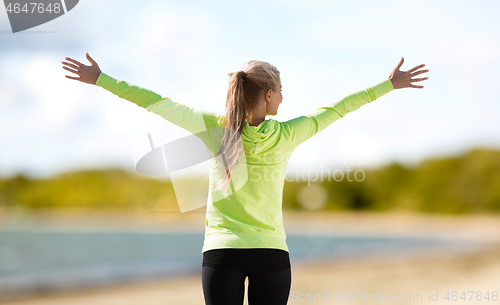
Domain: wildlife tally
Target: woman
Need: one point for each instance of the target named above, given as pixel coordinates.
(244, 234)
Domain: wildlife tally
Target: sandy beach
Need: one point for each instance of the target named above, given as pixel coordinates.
(410, 277)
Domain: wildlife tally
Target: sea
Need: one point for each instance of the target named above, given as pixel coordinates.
(39, 262)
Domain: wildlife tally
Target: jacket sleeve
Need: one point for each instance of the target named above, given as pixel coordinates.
(191, 119)
(304, 127)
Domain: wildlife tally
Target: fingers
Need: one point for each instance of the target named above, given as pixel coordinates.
(77, 78)
(419, 72)
(75, 62)
(416, 68)
(71, 70)
(418, 79)
(91, 60)
(400, 63)
(71, 65)
(416, 86)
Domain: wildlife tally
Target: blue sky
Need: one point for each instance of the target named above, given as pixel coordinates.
(185, 49)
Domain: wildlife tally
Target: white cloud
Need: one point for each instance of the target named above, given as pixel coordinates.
(301, 5)
(57, 98)
(470, 56)
(173, 34)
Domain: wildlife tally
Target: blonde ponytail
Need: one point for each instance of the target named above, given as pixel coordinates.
(245, 86)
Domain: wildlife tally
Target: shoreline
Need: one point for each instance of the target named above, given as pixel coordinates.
(485, 226)
(390, 274)
(429, 270)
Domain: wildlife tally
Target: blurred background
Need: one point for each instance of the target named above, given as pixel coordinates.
(418, 213)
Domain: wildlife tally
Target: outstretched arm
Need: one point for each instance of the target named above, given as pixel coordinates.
(191, 119)
(304, 127)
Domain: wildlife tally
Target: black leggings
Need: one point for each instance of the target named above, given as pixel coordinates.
(226, 286)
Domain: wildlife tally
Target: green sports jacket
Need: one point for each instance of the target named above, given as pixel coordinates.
(251, 216)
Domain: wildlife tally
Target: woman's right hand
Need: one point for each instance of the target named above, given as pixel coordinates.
(402, 79)
(87, 74)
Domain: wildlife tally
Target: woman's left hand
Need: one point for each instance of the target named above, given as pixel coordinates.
(403, 79)
(88, 74)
